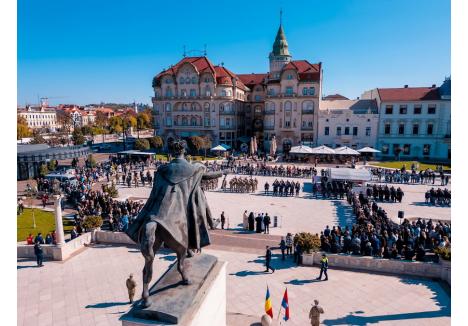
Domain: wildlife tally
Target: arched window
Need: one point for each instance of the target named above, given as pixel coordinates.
(194, 80)
(193, 121)
(168, 92)
(207, 91)
(184, 121)
(307, 107)
(183, 92)
(287, 106)
(287, 114)
(181, 80)
(270, 107)
(223, 92)
(312, 91)
(304, 91)
(207, 107)
(193, 93)
(193, 107)
(187, 80)
(168, 107)
(184, 107)
(228, 92)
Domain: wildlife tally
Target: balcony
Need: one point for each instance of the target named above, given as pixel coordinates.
(227, 127)
(307, 128)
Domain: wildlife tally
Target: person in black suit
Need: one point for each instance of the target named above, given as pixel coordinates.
(268, 260)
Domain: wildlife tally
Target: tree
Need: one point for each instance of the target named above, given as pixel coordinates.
(102, 124)
(37, 138)
(87, 130)
(65, 121)
(195, 143)
(142, 144)
(52, 165)
(156, 142)
(207, 143)
(143, 121)
(77, 137)
(116, 124)
(43, 170)
(22, 129)
(90, 161)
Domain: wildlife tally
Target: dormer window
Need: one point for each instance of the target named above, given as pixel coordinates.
(187, 80)
(311, 91)
(290, 77)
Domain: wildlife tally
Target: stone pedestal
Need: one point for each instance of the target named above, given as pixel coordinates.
(59, 234)
(201, 303)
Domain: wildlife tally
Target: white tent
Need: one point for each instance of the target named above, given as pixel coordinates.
(368, 150)
(322, 150)
(218, 148)
(345, 150)
(301, 149)
(347, 174)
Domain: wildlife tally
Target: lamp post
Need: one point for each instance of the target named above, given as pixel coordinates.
(30, 193)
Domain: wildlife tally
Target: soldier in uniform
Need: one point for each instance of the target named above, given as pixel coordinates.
(314, 314)
(131, 287)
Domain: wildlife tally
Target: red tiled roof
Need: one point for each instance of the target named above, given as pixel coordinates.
(252, 79)
(409, 94)
(200, 63)
(305, 69)
(335, 97)
(224, 77)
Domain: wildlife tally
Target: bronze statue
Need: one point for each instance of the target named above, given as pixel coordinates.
(176, 213)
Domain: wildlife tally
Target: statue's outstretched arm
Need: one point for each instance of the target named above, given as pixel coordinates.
(212, 175)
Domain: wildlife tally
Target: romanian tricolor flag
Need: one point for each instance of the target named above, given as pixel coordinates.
(268, 306)
(285, 305)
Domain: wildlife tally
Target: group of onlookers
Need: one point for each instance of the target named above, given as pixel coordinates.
(441, 197)
(282, 188)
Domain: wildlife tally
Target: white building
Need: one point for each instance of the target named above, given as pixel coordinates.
(351, 123)
(414, 122)
(40, 117)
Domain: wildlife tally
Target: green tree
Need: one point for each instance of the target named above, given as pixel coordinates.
(43, 170)
(207, 143)
(142, 144)
(52, 165)
(143, 121)
(156, 142)
(77, 137)
(22, 129)
(87, 130)
(101, 124)
(116, 124)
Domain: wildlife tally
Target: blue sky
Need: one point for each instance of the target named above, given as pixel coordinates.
(90, 51)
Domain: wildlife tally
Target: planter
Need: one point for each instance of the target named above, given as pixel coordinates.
(308, 259)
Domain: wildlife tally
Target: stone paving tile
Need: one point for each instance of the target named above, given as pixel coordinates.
(93, 291)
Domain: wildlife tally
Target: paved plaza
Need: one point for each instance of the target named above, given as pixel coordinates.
(89, 289)
(303, 213)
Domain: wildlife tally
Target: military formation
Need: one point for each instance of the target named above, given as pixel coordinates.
(239, 184)
(385, 193)
(210, 184)
(282, 188)
(438, 197)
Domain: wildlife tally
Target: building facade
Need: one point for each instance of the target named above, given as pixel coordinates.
(414, 122)
(351, 123)
(40, 118)
(195, 97)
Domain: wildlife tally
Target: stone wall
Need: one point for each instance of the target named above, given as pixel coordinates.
(112, 237)
(400, 267)
(55, 252)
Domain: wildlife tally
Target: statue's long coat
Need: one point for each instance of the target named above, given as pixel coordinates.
(178, 204)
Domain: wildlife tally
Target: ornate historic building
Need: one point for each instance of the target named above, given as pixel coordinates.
(195, 97)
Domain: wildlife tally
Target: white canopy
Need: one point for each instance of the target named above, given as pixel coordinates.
(301, 149)
(368, 150)
(322, 150)
(347, 174)
(345, 150)
(219, 148)
(135, 152)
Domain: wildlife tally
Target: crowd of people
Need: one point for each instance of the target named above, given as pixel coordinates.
(375, 234)
(288, 171)
(240, 184)
(404, 176)
(260, 223)
(441, 197)
(282, 188)
(384, 193)
(330, 189)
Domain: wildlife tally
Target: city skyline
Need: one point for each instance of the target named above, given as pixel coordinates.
(81, 62)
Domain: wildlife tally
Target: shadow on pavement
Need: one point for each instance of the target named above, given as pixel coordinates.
(106, 304)
(441, 298)
(302, 282)
(248, 273)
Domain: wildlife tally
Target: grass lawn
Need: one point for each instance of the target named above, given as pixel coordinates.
(399, 165)
(45, 223)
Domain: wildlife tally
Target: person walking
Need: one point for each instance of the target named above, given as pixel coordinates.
(268, 260)
(314, 314)
(39, 252)
(223, 220)
(245, 221)
(323, 267)
(282, 245)
(131, 287)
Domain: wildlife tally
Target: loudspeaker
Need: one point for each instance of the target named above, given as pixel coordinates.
(401, 214)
